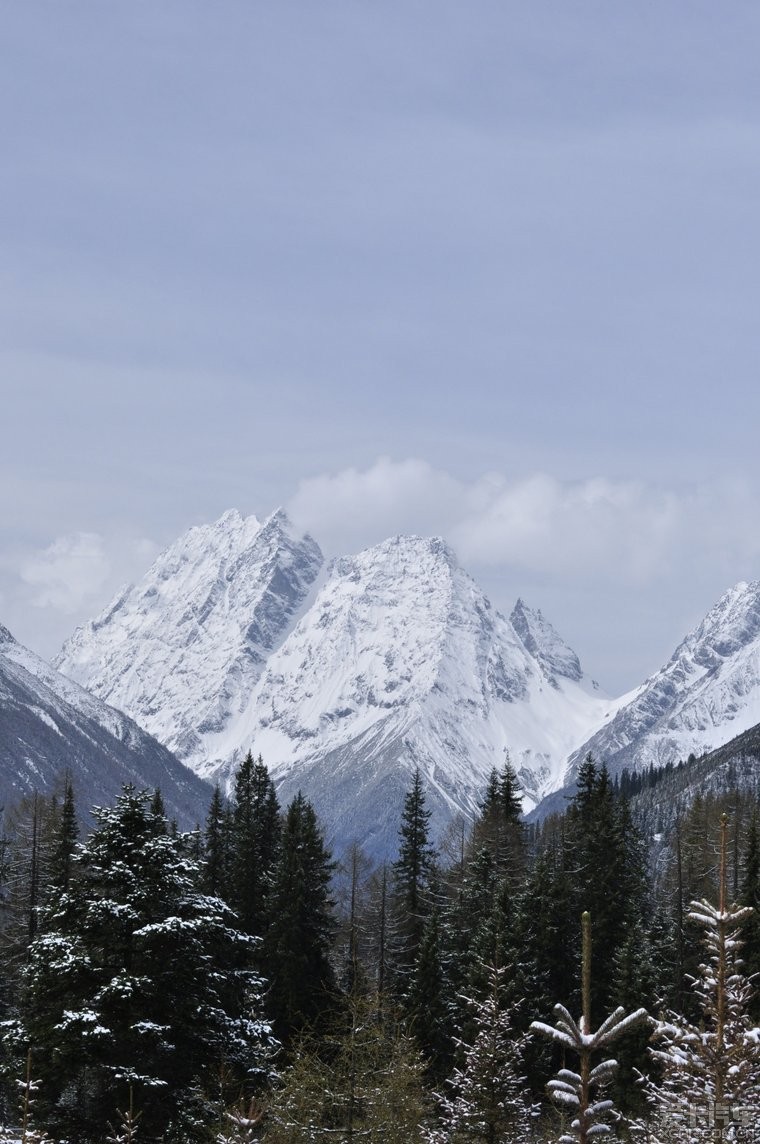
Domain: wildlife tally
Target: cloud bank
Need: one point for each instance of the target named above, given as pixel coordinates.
(585, 530)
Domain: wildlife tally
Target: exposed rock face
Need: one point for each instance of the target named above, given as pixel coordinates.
(49, 725)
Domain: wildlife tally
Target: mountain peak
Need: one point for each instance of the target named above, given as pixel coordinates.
(731, 624)
(544, 643)
(182, 649)
(5, 636)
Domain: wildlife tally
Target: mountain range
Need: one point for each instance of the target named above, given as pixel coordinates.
(49, 726)
(347, 676)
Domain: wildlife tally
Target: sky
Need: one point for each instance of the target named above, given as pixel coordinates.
(485, 270)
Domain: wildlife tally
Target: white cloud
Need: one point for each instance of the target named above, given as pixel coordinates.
(68, 572)
(592, 530)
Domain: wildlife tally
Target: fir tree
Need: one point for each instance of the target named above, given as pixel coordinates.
(413, 872)
(427, 1005)
(215, 877)
(297, 945)
(487, 1098)
(65, 841)
(750, 896)
(254, 842)
(499, 827)
(710, 1088)
(137, 979)
(576, 1092)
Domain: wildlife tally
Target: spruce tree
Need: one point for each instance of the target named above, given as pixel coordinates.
(254, 842)
(577, 1092)
(413, 872)
(709, 1088)
(427, 1003)
(750, 896)
(499, 827)
(65, 841)
(216, 861)
(297, 944)
(486, 1097)
(137, 979)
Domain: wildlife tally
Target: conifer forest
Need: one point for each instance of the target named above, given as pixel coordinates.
(586, 977)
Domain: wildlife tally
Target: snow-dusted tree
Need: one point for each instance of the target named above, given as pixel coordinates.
(487, 1099)
(577, 1093)
(710, 1084)
(137, 979)
(241, 1123)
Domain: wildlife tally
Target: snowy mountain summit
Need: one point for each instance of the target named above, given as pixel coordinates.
(344, 679)
(707, 692)
(185, 647)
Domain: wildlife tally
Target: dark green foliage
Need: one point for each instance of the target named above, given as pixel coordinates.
(750, 896)
(428, 1003)
(254, 842)
(216, 862)
(413, 873)
(499, 828)
(297, 944)
(138, 979)
(65, 837)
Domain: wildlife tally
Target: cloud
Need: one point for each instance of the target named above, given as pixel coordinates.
(68, 572)
(587, 530)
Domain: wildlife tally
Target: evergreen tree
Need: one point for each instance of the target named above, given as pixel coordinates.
(215, 875)
(605, 862)
(427, 1004)
(137, 979)
(254, 842)
(750, 896)
(710, 1071)
(499, 827)
(487, 1099)
(64, 841)
(413, 872)
(576, 1092)
(298, 943)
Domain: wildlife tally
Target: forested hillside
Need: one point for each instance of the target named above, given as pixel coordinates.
(240, 983)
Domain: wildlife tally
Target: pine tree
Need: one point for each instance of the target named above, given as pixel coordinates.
(137, 979)
(215, 876)
(413, 872)
(298, 943)
(427, 1005)
(710, 1085)
(750, 896)
(576, 1092)
(487, 1099)
(254, 842)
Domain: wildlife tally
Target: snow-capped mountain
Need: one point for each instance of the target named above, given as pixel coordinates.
(401, 662)
(707, 693)
(393, 659)
(182, 651)
(50, 725)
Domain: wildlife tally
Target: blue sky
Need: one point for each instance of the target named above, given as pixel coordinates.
(485, 269)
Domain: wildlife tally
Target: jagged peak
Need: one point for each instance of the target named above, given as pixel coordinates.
(732, 623)
(544, 642)
(5, 636)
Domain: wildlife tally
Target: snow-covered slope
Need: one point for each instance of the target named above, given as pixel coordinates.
(181, 652)
(402, 662)
(50, 725)
(345, 681)
(708, 692)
